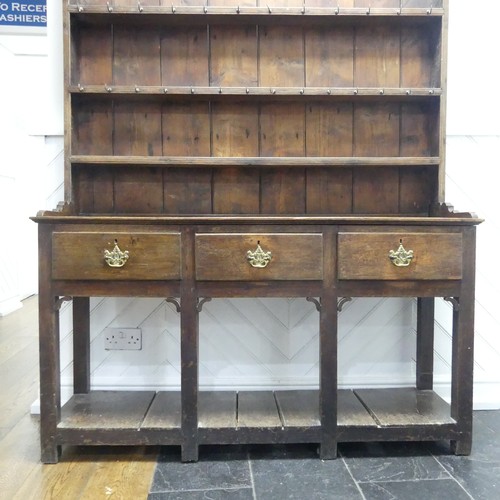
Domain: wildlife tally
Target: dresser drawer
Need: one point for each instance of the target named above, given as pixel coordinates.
(254, 257)
(430, 256)
(81, 255)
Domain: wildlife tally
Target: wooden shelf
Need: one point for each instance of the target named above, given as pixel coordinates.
(246, 12)
(269, 92)
(212, 161)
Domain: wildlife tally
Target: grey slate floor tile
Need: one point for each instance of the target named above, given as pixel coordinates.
(219, 468)
(414, 490)
(391, 462)
(296, 472)
(364, 471)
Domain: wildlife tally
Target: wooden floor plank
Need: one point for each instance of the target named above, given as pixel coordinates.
(299, 408)
(217, 409)
(351, 411)
(106, 409)
(405, 406)
(165, 411)
(257, 409)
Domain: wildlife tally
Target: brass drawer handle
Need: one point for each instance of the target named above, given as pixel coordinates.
(116, 258)
(259, 258)
(401, 257)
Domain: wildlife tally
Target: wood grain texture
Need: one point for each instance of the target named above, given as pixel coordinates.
(93, 56)
(236, 191)
(184, 56)
(136, 56)
(164, 412)
(351, 411)
(329, 191)
(406, 406)
(81, 254)
(329, 56)
(217, 409)
(257, 409)
(366, 256)
(92, 127)
(298, 408)
(224, 256)
(188, 191)
(376, 191)
(281, 57)
(233, 55)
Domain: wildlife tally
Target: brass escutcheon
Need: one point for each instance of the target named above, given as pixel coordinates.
(401, 257)
(116, 258)
(259, 258)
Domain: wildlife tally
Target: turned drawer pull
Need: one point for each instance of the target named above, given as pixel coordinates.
(401, 257)
(259, 258)
(116, 258)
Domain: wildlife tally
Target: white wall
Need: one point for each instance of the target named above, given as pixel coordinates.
(271, 342)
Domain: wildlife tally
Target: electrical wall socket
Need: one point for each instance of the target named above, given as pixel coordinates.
(123, 339)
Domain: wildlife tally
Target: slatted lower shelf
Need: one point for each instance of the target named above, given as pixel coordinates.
(147, 417)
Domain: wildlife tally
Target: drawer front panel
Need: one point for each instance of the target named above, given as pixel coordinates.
(365, 256)
(221, 257)
(80, 255)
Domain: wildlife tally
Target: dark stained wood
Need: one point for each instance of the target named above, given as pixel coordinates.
(138, 192)
(375, 191)
(164, 412)
(233, 55)
(405, 407)
(81, 345)
(418, 127)
(328, 335)
(184, 56)
(417, 190)
(282, 130)
(376, 129)
(217, 409)
(187, 191)
(80, 255)
(236, 191)
(329, 56)
(425, 343)
(376, 56)
(191, 139)
(329, 129)
(281, 57)
(235, 130)
(186, 129)
(92, 127)
(329, 190)
(257, 409)
(223, 257)
(366, 256)
(351, 411)
(93, 57)
(106, 409)
(137, 129)
(298, 408)
(283, 191)
(136, 56)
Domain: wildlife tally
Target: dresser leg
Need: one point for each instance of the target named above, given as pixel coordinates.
(425, 342)
(462, 446)
(328, 451)
(51, 453)
(189, 453)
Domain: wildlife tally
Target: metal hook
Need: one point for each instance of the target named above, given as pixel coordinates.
(408, 92)
(238, 10)
(81, 88)
(273, 91)
(301, 91)
(192, 90)
(431, 91)
(220, 90)
(110, 9)
(173, 9)
(400, 11)
(247, 91)
(139, 6)
(108, 88)
(381, 91)
(369, 10)
(80, 8)
(303, 10)
(328, 91)
(337, 10)
(429, 10)
(165, 90)
(205, 9)
(269, 9)
(137, 89)
(355, 91)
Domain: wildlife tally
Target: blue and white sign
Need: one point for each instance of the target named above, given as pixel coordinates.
(23, 13)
